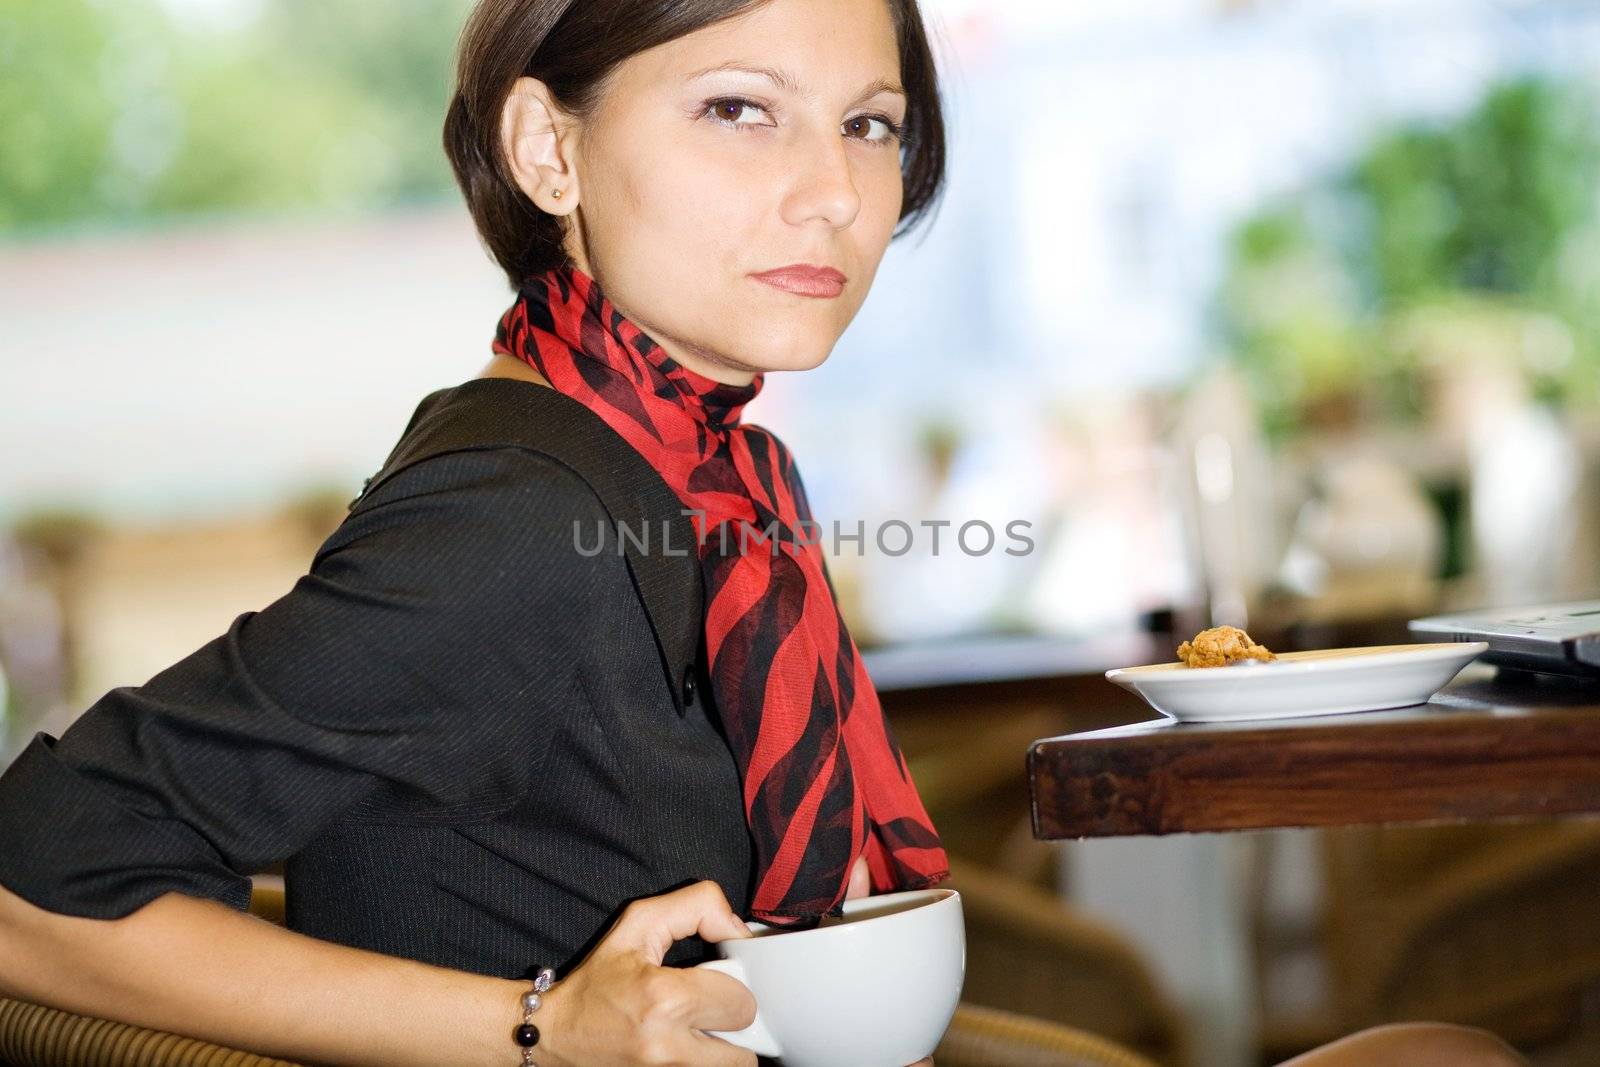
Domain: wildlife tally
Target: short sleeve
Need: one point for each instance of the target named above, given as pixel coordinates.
(417, 669)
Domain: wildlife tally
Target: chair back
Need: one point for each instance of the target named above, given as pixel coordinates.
(990, 1037)
(32, 1035)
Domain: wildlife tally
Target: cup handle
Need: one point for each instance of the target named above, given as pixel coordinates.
(755, 1037)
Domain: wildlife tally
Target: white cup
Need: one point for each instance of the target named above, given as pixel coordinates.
(875, 987)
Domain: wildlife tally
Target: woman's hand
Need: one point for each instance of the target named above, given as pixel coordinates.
(621, 1008)
(861, 886)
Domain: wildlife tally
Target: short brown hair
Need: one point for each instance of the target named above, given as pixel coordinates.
(571, 46)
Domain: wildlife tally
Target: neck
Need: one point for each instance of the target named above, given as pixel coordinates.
(715, 369)
(503, 366)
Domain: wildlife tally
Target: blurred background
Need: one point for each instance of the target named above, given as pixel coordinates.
(1270, 312)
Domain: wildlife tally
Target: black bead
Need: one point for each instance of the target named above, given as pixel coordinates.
(527, 1035)
(688, 686)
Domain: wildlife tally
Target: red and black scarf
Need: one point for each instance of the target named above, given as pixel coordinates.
(823, 777)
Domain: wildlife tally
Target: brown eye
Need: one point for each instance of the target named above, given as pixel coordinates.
(728, 110)
(861, 128)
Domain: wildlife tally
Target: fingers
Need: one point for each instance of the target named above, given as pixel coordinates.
(860, 879)
(716, 1001)
(715, 1052)
(651, 925)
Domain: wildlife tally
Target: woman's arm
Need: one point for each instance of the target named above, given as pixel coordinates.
(418, 670)
(199, 968)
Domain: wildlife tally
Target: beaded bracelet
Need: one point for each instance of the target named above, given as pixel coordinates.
(527, 1035)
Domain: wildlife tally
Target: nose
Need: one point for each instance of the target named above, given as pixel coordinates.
(822, 185)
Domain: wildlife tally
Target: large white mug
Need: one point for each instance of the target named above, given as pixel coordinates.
(875, 987)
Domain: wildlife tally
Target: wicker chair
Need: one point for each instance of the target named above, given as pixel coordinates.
(1491, 926)
(36, 1036)
(990, 1037)
(267, 899)
(1030, 952)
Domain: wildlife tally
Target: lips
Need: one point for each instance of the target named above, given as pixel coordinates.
(803, 279)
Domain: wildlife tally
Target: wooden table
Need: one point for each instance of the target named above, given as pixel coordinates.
(1486, 747)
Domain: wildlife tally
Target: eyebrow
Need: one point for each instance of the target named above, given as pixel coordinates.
(783, 79)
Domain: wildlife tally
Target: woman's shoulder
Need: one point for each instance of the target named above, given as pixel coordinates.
(499, 439)
(507, 457)
(477, 543)
(476, 485)
(560, 438)
(495, 485)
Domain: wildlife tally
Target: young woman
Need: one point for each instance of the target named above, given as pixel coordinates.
(479, 747)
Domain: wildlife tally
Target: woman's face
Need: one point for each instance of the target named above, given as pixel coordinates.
(758, 143)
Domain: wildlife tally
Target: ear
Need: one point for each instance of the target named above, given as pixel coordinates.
(540, 143)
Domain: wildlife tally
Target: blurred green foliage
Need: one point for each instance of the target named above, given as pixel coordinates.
(113, 112)
(1489, 219)
(1484, 203)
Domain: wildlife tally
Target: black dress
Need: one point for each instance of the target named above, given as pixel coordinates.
(471, 737)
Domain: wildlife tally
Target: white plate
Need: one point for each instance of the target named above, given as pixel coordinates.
(1325, 682)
